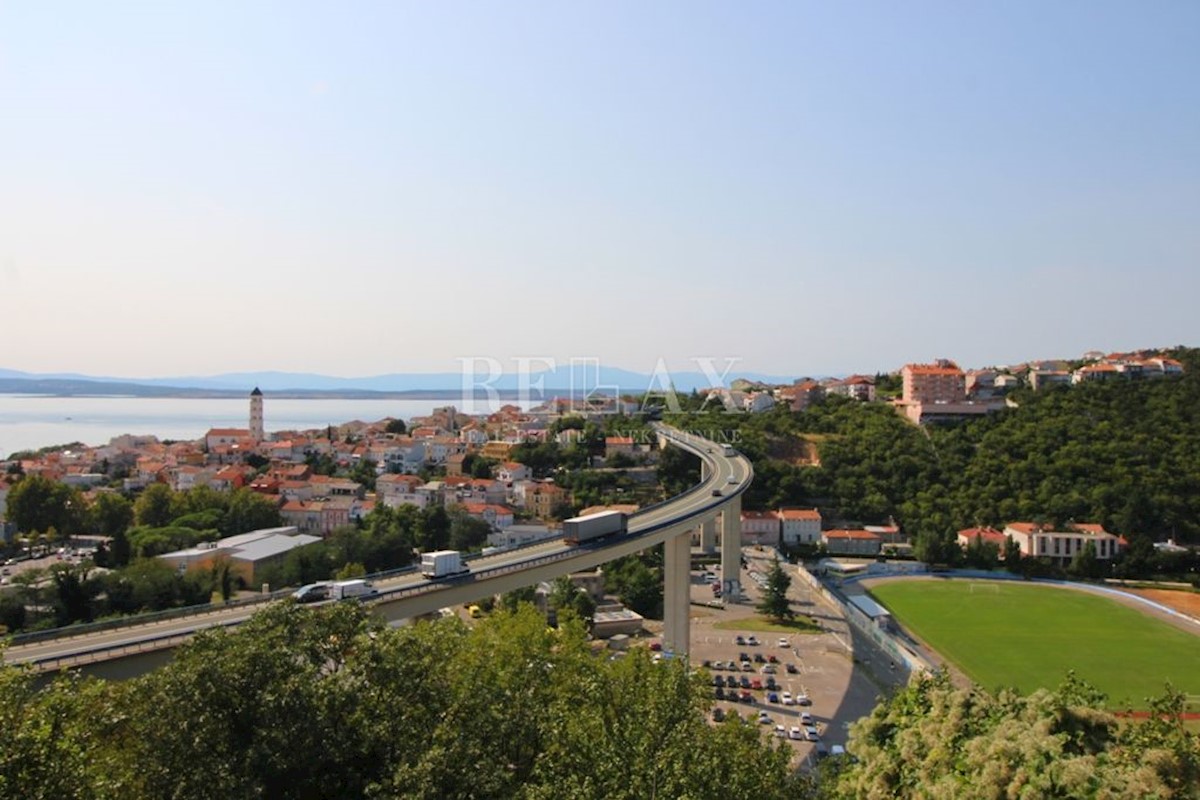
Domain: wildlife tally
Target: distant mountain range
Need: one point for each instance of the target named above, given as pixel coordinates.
(547, 383)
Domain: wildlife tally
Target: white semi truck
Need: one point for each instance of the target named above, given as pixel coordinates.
(604, 523)
(442, 564)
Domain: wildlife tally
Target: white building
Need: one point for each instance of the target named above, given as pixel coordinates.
(800, 525)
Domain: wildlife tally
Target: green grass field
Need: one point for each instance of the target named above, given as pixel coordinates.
(1028, 636)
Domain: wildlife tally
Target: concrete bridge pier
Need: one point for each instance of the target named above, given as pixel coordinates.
(731, 549)
(708, 536)
(677, 580)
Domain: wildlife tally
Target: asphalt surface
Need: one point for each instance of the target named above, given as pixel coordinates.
(693, 504)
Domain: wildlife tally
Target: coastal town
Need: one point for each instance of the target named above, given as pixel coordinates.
(321, 480)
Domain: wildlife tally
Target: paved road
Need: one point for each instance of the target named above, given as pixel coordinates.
(729, 475)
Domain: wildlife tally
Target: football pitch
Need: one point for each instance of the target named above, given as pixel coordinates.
(1028, 636)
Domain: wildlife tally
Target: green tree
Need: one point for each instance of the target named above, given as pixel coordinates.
(73, 594)
(155, 506)
(511, 601)
(110, 514)
(250, 511)
(364, 472)
(467, 532)
(935, 740)
(36, 503)
(396, 426)
(433, 530)
(351, 570)
(1012, 555)
(1085, 564)
(775, 603)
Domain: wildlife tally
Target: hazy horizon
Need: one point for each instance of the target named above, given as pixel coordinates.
(816, 189)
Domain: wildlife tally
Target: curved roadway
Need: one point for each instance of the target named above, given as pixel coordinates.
(410, 594)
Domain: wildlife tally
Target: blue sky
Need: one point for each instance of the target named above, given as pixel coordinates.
(814, 188)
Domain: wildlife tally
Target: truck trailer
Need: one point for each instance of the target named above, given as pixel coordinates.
(442, 564)
(605, 523)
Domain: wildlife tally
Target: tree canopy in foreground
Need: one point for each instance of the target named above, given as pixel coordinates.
(935, 740)
(330, 703)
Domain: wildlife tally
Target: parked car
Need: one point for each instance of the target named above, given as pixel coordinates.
(771, 659)
(744, 682)
(769, 669)
(747, 697)
(739, 639)
(758, 658)
(806, 718)
(791, 668)
(795, 733)
(787, 699)
(750, 640)
(718, 714)
(811, 733)
(743, 656)
(771, 684)
(756, 684)
(719, 693)
(784, 643)
(772, 697)
(747, 666)
(803, 700)
(764, 718)
(781, 731)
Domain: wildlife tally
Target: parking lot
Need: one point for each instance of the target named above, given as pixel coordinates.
(818, 687)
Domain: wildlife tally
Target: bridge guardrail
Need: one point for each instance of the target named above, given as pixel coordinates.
(421, 587)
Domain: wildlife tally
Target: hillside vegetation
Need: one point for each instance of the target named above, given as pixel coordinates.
(1125, 454)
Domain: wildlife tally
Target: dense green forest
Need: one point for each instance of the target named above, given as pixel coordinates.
(332, 703)
(1123, 453)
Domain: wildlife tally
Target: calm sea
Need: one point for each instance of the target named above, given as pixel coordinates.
(28, 422)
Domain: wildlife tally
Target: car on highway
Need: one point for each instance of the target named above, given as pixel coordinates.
(311, 593)
(731, 479)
